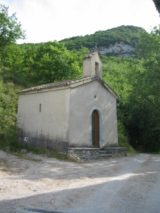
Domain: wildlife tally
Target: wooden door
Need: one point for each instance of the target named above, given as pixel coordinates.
(95, 128)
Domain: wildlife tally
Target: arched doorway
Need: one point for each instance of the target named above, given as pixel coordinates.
(95, 128)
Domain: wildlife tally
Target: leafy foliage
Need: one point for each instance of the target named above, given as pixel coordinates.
(33, 64)
(136, 81)
(13, 64)
(120, 73)
(143, 117)
(127, 34)
(10, 29)
(50, 62)
(8, 107)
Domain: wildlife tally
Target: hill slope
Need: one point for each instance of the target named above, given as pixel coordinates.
(117, 41)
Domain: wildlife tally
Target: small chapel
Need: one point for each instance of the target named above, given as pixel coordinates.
(70, 114)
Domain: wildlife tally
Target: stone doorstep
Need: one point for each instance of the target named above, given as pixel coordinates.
(103, 149)
(86, 153)
(114, 148)
(83, 148)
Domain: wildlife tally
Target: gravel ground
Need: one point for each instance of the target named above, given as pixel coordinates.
(40, 184)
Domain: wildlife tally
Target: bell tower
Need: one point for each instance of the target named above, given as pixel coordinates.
(92, 66)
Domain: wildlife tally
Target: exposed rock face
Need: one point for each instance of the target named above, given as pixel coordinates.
(120, 49)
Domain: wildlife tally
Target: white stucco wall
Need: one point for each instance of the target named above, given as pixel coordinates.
(52, 121)
(84, 99)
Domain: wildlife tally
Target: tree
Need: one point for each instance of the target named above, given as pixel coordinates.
(8, 102)
(157, 4)
(143, 115)
(13, 64)
(122, 74)
(10, 31)
(50, 62)
(10, 28)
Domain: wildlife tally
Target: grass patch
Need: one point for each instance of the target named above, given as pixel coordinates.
(49, 153)
(22, 151)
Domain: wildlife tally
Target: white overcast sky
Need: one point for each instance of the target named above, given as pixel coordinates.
(49, 20)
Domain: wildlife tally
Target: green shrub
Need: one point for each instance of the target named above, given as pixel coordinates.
(8, 108)
(123, 138)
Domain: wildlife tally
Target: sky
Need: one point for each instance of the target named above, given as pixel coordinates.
(50, 20)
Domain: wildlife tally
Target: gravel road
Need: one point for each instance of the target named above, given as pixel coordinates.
(40, 184)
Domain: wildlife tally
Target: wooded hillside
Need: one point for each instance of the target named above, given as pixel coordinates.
(125, 35)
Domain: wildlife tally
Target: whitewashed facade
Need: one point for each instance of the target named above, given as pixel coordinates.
(80, 113)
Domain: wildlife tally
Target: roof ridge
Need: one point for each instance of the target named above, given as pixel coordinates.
(69, 84)
(56, 84)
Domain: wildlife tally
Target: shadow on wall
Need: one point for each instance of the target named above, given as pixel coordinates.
(28, 140)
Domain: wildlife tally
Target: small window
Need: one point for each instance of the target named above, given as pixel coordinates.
(40, 107)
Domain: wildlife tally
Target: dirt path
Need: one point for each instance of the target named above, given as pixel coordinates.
(121, 185)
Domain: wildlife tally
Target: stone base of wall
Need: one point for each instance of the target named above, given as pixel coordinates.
(86, 154)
